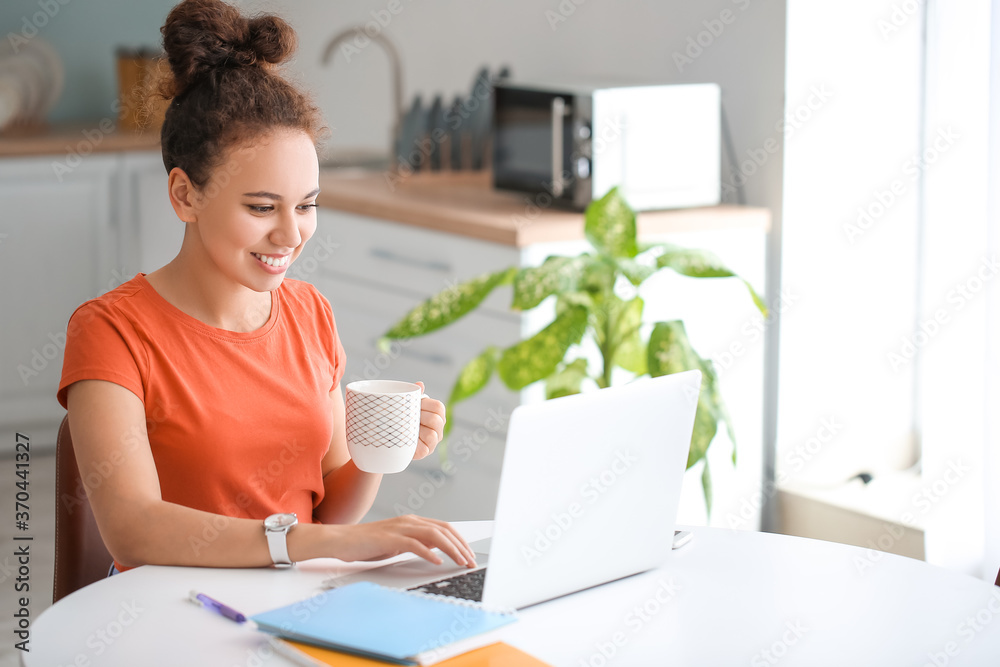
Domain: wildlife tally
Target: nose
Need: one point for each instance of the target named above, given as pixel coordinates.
(286, 233)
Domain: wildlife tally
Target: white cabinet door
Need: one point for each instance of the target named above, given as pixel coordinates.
(57, 249)
(405, 259)
(150, 231)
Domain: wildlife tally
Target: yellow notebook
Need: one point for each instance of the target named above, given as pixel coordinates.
(494, 655)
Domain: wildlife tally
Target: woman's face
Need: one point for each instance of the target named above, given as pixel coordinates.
(258, 208)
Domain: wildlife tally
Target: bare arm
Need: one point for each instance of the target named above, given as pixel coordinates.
(138, 527)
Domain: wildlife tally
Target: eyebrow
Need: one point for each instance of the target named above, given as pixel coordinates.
(277, 197)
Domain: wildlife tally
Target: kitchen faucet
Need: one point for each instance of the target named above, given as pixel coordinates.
(397, 77)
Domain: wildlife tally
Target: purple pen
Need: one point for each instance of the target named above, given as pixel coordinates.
(216, 606)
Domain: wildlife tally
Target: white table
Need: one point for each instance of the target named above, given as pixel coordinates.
(727, 598)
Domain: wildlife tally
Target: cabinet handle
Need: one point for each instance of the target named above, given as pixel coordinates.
(558, 111)
(430, 265)
(426, 357)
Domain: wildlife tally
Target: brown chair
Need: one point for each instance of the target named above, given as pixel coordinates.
(81, 557)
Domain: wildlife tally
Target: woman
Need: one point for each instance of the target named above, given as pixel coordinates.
(205, 395)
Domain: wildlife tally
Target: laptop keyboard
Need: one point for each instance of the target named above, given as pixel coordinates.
(468, 585)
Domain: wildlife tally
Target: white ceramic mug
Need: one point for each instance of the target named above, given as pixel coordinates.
(383, 424)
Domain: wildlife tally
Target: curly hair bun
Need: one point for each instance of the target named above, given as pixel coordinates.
(200, 36)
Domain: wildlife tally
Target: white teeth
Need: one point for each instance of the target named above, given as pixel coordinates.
(271, 261)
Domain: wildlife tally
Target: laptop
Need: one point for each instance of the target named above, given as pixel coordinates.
(588, 494)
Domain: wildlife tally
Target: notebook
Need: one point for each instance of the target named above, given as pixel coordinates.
(493, 655)
(387, 624)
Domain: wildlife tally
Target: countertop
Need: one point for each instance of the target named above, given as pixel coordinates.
(80, 137)
(465, 203)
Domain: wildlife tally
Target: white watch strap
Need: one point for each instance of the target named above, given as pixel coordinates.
(277, 544)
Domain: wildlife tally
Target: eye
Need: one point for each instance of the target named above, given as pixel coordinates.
(260, 208)
(306, 207)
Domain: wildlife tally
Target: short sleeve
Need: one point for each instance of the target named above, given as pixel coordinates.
(101, 344)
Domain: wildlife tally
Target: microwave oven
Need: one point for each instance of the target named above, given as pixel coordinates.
(569, 145)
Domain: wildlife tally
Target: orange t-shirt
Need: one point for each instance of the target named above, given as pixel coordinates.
(238, 423)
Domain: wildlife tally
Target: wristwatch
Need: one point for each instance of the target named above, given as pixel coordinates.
(276, 529)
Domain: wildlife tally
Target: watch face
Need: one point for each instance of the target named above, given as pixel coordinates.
(276, 521)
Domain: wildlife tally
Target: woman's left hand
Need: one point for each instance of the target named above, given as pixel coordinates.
(431, 425)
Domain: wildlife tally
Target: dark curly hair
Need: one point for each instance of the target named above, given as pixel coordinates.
(224, 90)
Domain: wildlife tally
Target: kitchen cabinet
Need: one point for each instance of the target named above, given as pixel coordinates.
(150, 234)
(66, 237)
(58, 248)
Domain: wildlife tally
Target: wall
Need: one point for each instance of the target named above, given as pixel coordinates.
(86, 34)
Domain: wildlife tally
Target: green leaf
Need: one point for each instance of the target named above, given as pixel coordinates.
(539, 356)
(474, 376)
(710, 384)
(449, 305)
(609, 225)
(635, 271)
(757, 300)
(669, 352)
(626, 345)
(692, 262)
(701, 264)
(567, 380)
(705, 428)
(598, 277)
(471, 379)
(706, 485)
(556, 275)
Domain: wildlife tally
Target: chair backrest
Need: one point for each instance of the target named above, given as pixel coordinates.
(81, 557)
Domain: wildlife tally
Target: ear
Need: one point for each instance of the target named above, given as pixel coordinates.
(183, 195)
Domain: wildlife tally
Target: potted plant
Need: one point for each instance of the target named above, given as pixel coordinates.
(589, 305)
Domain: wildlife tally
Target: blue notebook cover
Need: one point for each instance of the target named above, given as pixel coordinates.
(385, 623)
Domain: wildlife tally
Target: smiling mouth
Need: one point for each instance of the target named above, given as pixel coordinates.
(272, 261)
